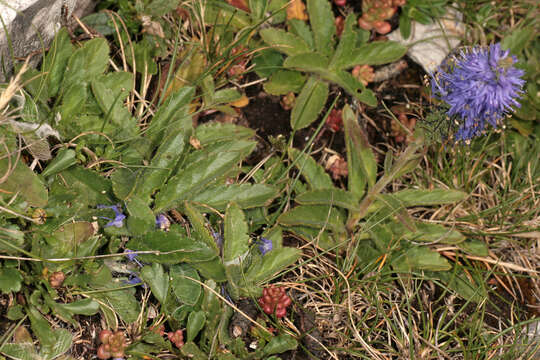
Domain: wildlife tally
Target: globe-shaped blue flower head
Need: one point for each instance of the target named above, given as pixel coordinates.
(480, 86)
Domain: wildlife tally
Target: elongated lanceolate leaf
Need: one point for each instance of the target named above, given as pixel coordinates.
(236, 238)
(314, 216)
(321, 19)
(284, 42)
(309, 103)
(313, 173)
(374, 53)
(185, 289)
(360, 159)
(245, 195)
(333, 197)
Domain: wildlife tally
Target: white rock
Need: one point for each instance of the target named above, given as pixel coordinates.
(433, 42)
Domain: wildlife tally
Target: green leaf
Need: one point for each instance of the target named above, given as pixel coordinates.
(86, 63)
(273, 262)
(68, 237)
(110, 99)
(75, 96)
(405, 25)
(210, 133)
(212, 269)
(321, 19)
(162, 164)
(87, 307)
(420, 258)
(192, 351)
(174, 248)
(310, 62)
(236, 238)
(196, 176)
(140, 219)
(122, 302)
(64, 159)
(334, 197)
(62, 343)
(186, 290)
(424, 197)
(23, 182)
(10, 280)
(517, 40)
(433, 233)
(245, 195)
(172, 115)
(124, 182)
(157, 279)
(198, 222)
(315, 216)
(279, 344)
(225, 96)
(474, 247)
(347, 42)
(267, 62)
(283, 82)
(313, 173)
(309, 103)
(373, 53)
(361, 162)
(300, 28)
(195, 324)
(55, 62)
(284, 42)
(461, 284)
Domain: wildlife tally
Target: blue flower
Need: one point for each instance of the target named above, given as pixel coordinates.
(133, 257)
(265, 245)
(133, 279)
(217, 238)
(480, 86)
(118, 220)
(162, 222)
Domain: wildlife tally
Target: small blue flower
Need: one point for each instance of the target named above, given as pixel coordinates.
(162, 222)
(480, 86)
(265, 245)
(133, 257)
(118, 221)
(133, 279)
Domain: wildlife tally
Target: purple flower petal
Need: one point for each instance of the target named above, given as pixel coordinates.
(480, 86)
(162, 222)
(118, 221)
(265, 245)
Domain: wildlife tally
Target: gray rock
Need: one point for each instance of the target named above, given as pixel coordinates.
(30, 25)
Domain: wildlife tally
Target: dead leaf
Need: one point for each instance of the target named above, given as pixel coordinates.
(240, 103)
(296, 10)
(337, 166)
(239, 4)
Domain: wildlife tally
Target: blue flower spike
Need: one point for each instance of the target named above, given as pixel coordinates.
(118, 220)
(265, 245)
(481, 86)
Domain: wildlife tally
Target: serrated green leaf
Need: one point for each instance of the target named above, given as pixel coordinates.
(309, 103)
(273, 262)
(209, 133)
(68, 237)
(313, 173)
(185, 289)
(195, 324)
(172, 115)
(157, 279)
(10, 280)
(236, 238)
(321, 19)
(122, 302)
(360, 159)
(347, 42)
(225, 96)
(283, 82)
(196, 176)
(87, 62)
(425, 197)
(315, 216)
(284, 42)
(87, 307)
(267, 62)
(212, 269)
(140, 219)
(55, 62)
(433, 233)
(23, 183)
(174, 248)
(300, 28)
(310, 62)
(420, 258)
(333, 197)
(64, 159)
(245, 195)
(373, 53)
(279, 344)
(198, 223)
(124, 181)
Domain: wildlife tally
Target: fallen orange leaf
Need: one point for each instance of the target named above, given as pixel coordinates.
(243, 101)
(296, 10)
